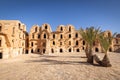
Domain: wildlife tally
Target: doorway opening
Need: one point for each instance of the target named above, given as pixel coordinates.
(110, 49)
(43, 50)
(1, 55)
(26, 51)
(96, 50)
(77, 50)
(31, 50)
(70, 50)
(52, 50)
(61, 50)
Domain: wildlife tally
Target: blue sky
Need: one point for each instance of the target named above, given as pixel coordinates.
(80, 13)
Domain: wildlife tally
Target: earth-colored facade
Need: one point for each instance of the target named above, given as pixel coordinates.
(64, 39)
(14, 39)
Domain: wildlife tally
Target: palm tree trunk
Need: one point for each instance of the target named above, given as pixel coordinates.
(86, 51)
(106, 61)
(97, 59)
(90, 56)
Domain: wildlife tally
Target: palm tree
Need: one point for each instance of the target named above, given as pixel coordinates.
(89, 35)
(105, 42)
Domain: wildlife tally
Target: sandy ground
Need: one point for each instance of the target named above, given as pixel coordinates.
(63, 66)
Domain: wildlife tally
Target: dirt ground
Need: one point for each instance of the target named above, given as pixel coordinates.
(63, 66)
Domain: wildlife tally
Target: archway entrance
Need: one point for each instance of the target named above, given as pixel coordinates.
(26, 51)
(96, 50)
(70, 50)
(52, 50)
(83, 48)
(61, 50)
(31, 50)
(43, 50)
(1, 55)
(77, 50)
(110, 50)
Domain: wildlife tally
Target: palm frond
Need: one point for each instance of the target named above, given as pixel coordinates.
(90, 34)
(105, 41)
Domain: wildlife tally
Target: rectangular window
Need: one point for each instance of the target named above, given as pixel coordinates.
(76, 42)
(38, 36)
(69, 35)
(53, 42)
(53, 36)
(76, 35)
(45, 26)
(44, 36)
(0, 28)
(61, 36)
(31, 43)
(0, 43)
(38, 50)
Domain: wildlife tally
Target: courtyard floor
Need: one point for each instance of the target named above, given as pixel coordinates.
(63, 66)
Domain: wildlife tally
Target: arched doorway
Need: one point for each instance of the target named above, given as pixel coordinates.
(96, 50)
(1, 55)
(77, 50)
(69, 28)
(76, 35)
(45, 26)
(76, 42)
(44, 36)
(38, 50)
(61, 50)
(52, 50)
(70, 50)
(110, 49)
(26, 51)
(31, 50)
(83, 42)
(43, 50)
(61, 29)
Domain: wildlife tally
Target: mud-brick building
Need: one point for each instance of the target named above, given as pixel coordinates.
(12, 38)
(65, 39)
(117, 43)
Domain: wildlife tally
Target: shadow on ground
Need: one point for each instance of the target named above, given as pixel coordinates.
(50, 56)
(54, 62)
(47, 56)
(46, 60)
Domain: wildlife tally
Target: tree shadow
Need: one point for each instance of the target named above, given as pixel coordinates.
(57, 62)
(83, 57)
(53, 60)
(50, 56)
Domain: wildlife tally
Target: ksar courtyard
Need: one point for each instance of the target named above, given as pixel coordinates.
(43, 54)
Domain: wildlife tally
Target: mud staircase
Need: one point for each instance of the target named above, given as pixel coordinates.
(6, 38)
